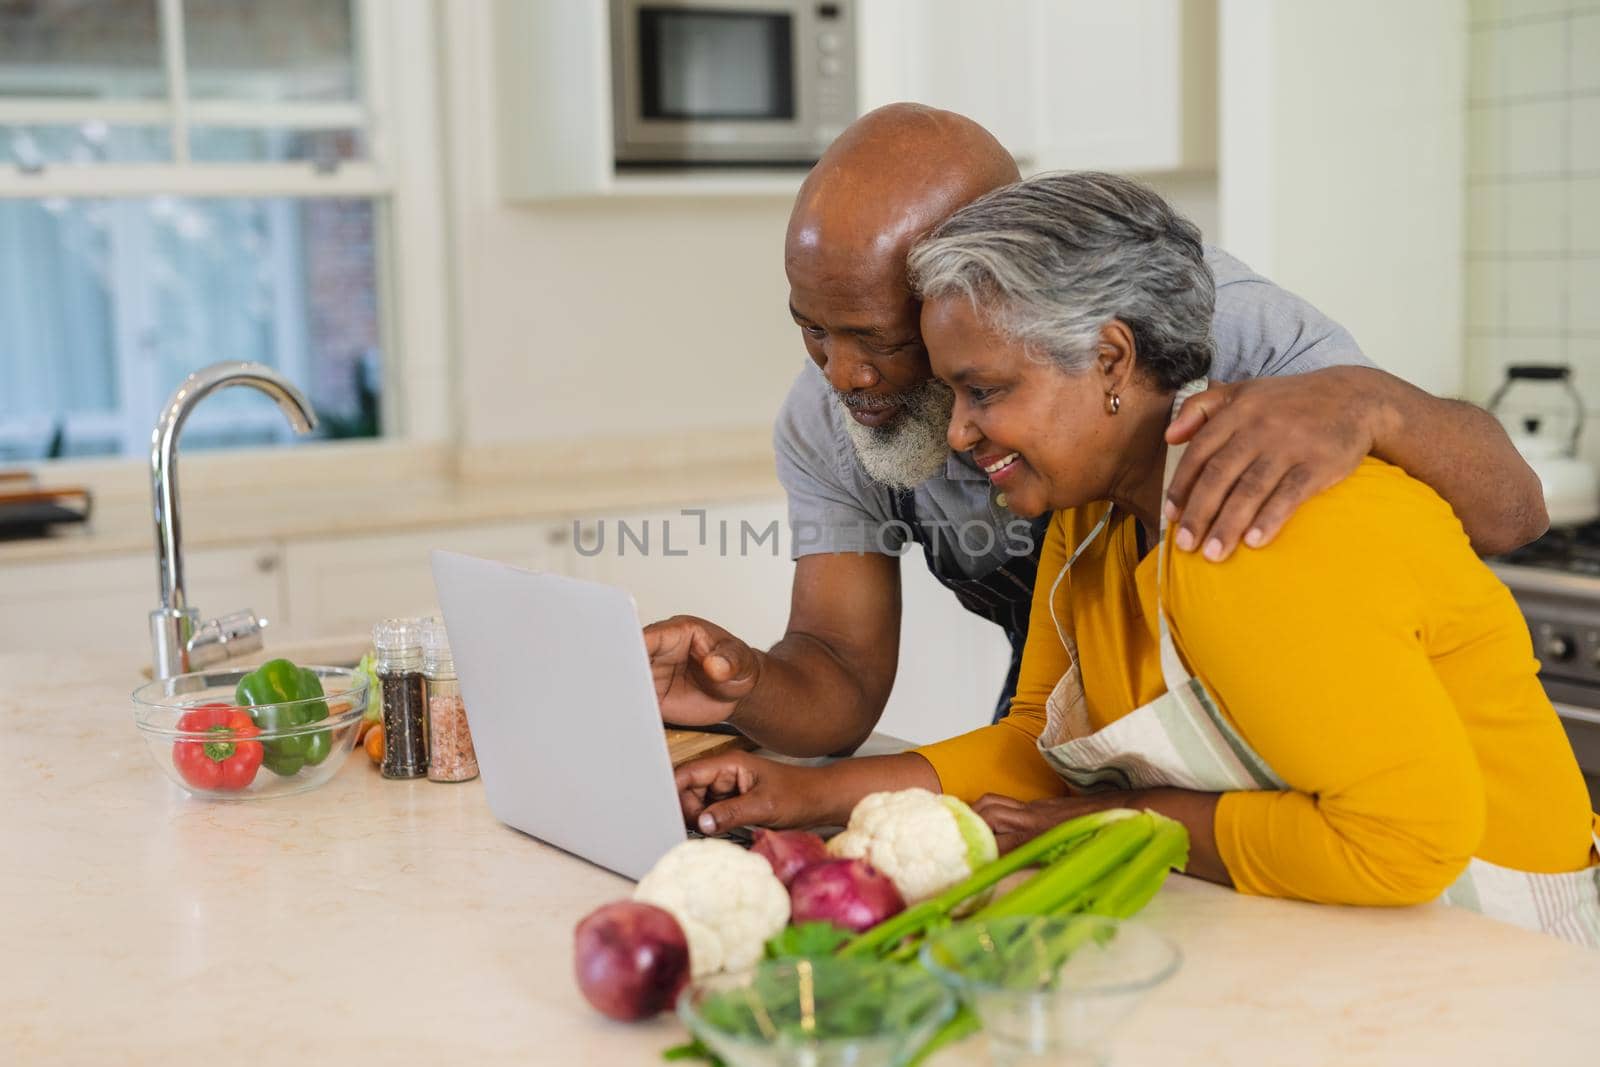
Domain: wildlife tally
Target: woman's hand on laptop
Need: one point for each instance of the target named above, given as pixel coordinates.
(701, 671)
(734, 789)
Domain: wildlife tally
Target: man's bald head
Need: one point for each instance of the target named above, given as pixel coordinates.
(890, 177)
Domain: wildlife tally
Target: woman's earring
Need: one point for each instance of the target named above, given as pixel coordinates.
(1113, 403)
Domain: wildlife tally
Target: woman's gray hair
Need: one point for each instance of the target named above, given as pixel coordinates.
(1052, 259)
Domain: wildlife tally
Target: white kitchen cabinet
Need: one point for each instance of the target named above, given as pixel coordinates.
(1129, 85)
(1126, 86)
(975, 59)
(103, 603)
(1121, 85)
(340, 586)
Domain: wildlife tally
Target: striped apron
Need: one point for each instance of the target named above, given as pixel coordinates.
(1183, 740)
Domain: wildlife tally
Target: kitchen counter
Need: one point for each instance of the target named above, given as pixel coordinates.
(375, 921)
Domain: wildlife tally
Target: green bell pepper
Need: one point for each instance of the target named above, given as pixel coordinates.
(262, 689)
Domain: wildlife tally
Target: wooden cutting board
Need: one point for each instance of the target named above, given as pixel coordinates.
(686, 745)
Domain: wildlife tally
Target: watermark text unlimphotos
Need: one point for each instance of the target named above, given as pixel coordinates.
(694, 531)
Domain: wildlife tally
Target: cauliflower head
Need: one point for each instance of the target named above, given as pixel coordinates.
(727, 900)
(924, 842)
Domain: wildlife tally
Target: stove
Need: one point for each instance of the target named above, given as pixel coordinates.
(1556, 581)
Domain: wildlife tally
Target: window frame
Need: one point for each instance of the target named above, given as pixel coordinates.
(402, 176)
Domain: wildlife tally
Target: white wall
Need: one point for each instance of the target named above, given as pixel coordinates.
(603, 317)
(1340, 171)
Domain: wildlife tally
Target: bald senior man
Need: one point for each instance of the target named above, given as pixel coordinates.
(862, 455)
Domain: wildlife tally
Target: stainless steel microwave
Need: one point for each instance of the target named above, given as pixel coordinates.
(748, 82)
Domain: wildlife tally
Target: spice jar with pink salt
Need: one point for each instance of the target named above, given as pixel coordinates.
(450, 754)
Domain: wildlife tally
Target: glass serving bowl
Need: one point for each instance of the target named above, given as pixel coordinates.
(1051, 990)
(816, 1013)
(315, 751)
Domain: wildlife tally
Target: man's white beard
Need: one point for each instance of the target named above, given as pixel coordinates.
(912, 447)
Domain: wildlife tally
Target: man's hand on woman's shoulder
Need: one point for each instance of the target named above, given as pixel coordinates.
(1259, 449)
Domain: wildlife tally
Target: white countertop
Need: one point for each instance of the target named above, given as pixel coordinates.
(375, 921)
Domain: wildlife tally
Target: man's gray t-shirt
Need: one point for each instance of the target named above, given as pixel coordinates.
(1258, 329)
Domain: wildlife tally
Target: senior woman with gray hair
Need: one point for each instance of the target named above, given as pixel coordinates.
(1351, 716)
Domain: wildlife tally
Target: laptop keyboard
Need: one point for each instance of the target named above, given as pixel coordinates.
(739, 836)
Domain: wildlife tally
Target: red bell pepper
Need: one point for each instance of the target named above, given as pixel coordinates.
(227, 764)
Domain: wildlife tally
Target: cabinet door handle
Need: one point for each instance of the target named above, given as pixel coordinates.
(266, 563)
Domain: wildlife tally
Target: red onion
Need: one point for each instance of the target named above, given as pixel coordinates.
(790, 851)
(849, 893)
(632, 959)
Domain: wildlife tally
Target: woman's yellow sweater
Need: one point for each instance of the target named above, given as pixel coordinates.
(1367, 655)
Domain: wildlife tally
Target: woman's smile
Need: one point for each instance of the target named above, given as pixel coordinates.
(1001, 467)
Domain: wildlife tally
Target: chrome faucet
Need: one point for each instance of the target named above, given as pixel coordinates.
(181, 642)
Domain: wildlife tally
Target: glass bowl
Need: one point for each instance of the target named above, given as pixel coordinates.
(816, 1013)
(214, 763)
(1051, 990)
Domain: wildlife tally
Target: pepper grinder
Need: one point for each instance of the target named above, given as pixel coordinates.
(398, 643)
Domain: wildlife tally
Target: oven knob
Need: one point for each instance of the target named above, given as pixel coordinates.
(1558, 648)
(828, 65)
(827, 42)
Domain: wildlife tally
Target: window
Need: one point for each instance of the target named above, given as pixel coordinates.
(186, 181)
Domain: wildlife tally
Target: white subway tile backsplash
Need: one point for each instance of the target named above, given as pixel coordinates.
(1480, 10)
(1485, 295)
(1585, 69)
(1484, 368)
(1531, 350)
(1583, 200)
(1535, 57)
(1535, 138)
(1535, 292)
(1486, 141)
(1514, 9)
(1583, 130)
(1583, 356)
(1583, 296)
(1533, 193)
(1486, 216)
(1486, 64)
(1536, 217)
(1585, 364)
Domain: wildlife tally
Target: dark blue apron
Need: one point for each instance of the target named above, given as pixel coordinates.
(1004, 596)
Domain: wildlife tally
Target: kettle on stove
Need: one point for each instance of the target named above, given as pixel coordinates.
(1571, 485)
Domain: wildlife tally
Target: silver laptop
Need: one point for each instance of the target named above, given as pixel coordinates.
(562, 710)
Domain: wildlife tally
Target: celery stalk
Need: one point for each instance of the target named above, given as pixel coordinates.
(1042, 849)
(1129, 887)
(1064, 883)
